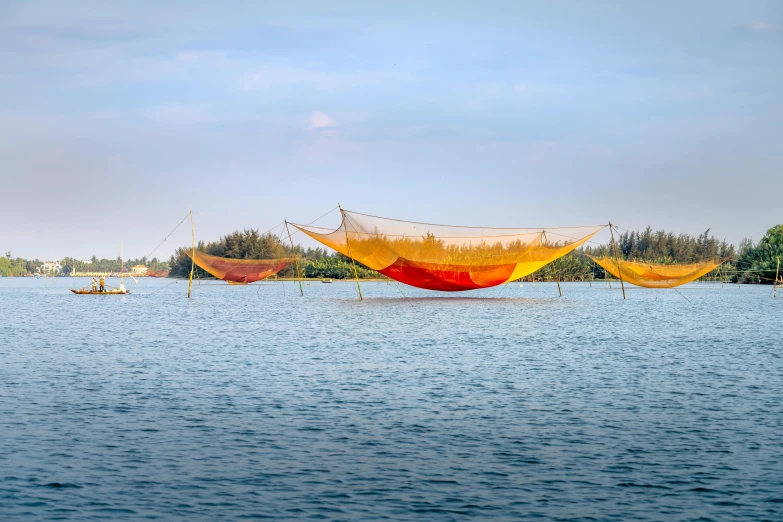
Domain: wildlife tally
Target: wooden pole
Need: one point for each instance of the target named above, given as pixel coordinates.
(617, 259)
(348, 245)
(296, 258)
(192, 252)
(777, 280)
(591, 280)
(554, 266)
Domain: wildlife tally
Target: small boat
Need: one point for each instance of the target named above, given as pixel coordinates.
(120, 290)
(113, 291)
(326, 281)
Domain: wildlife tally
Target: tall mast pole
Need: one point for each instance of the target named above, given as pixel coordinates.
(296, 258)
(554, 266)
(192, 252)
(348, 245)
(617, 259)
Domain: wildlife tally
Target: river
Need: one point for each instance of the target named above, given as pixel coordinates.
(504, 404)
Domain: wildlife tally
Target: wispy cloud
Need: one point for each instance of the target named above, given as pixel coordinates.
(320, 120)
(762, 27)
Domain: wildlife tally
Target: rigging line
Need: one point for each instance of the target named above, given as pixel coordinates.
(665, 281)
(271, 229)
(466, 226)
(577, 238)
(442, 238)
(503, 288)
(165, 238)
(400, 290)
(162, 287)
(316, 219)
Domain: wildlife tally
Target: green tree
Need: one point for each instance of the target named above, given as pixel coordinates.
(758, 264)
(246, 244)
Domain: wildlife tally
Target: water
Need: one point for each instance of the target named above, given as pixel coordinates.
(505, 404)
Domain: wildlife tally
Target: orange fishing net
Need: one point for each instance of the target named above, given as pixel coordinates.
(239, 271)
(655, 275)
(440, 257)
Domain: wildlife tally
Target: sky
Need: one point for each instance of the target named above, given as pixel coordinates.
(117, 118)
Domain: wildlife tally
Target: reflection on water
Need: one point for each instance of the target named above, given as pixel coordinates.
(505, 403)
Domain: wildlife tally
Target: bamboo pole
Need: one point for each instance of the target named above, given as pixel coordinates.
(593, 279)
(554, 266)
(348, 245)
(192, 252)
(617, 259)
(296, 258)
(778, 281)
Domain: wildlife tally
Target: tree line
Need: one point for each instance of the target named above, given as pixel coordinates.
(15, 267)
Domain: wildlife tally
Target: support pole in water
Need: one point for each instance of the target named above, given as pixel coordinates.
(348, 245)
(554, 266)
(296, 258)
(617, 259)
(593, 279)
(192, 252)
(778, 281)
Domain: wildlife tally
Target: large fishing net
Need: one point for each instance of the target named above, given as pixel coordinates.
(447, 258)
(656, 275)
(239, 271)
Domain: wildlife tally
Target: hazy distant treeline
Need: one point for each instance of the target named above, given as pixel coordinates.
(10, 266)
(70, 264)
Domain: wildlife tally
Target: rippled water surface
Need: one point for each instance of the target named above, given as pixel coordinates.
(511, 403)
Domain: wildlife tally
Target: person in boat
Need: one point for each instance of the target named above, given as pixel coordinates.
(103, 282)
(94, 284)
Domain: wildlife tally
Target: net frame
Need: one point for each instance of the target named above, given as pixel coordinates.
(447, 257)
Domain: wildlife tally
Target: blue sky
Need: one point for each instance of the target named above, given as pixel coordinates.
(117, 117)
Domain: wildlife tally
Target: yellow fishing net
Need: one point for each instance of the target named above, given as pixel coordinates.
(239, 271)
(655, 275)
(441, 257)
